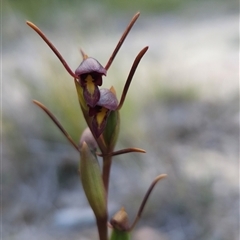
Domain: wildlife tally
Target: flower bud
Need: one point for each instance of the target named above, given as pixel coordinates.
(120, 220)
(89, 139)
(120, 226)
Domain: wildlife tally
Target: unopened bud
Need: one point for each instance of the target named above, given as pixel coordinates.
(89, 139)
(120, 220)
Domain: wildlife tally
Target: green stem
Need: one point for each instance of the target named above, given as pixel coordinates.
(107, 162)
(120, 235)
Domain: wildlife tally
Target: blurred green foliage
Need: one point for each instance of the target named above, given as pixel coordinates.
(31, 8)
(35, 9)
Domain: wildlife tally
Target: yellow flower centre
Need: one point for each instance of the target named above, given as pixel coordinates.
(90, 84)
(101, 116)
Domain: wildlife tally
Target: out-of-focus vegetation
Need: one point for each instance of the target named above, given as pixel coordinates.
(37, 9)
(182, 107)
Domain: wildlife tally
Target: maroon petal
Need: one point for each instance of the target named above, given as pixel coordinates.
(107, 99)
(90, 65)
(91, 98)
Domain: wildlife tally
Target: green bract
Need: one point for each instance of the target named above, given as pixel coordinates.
(90, 174)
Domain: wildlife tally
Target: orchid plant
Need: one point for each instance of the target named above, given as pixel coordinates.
(101, 110)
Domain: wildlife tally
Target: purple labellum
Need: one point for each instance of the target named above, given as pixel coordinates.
(91, 97)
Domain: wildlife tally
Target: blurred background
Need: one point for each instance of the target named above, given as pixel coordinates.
(182, 108)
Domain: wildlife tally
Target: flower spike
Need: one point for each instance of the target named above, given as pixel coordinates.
(101, 110)
(42, 35)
